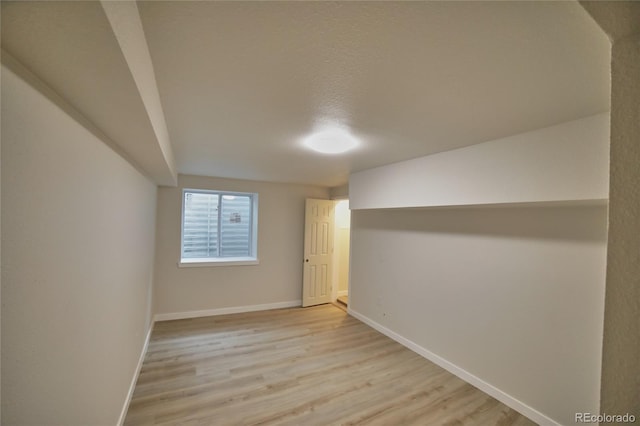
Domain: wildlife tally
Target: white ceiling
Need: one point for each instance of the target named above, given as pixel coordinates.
(241, 83)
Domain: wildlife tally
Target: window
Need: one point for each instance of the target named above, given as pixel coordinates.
(218, 228)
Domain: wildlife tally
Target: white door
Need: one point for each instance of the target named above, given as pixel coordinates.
(318, 252)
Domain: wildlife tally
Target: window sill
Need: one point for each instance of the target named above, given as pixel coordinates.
(229, 261)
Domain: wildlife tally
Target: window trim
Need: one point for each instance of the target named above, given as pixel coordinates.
(223, 261)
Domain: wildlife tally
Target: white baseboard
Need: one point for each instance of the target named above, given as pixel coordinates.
(489, 389)
(225, 311)
(132, 386)
(342, 293)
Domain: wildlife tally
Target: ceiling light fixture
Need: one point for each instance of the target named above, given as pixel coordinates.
(333, 140)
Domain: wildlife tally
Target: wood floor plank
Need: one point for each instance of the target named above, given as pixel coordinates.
(299, 366)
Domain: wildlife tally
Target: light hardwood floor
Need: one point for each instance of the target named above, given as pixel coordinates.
(300, 366)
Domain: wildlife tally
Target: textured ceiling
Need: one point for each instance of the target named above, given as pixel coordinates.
(241, 83)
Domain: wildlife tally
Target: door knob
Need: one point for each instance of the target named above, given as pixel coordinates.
(306, 260)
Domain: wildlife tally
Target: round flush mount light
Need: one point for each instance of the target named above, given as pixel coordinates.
(331, 141)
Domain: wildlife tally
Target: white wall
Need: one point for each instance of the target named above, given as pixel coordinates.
(276, 279)
(569, 161)
(621, 356)
(339, 192)
(512, 295)
(342, 266)
(509, 292)
(77, 247)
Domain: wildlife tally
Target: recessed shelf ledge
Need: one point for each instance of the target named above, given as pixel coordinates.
(552, 203)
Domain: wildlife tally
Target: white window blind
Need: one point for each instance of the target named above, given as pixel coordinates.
(218, 225)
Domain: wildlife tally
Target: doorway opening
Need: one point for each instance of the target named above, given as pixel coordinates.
(325, 276)
(342, 240)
